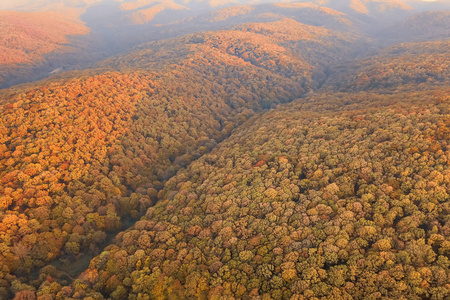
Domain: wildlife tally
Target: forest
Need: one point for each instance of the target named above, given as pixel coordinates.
(292, 156)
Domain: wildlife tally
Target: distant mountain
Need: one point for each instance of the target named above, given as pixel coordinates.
(371, 12)
(143, 13)
(367, 7)
(307, 13)
(30, 5)
(172, 16)
(116, 27)
(432, 25)
(423, 5)
(27, 38)
(71, 9)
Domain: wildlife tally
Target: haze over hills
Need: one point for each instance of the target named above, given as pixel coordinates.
(40, 4)
(116, 26)
(429, 4)
(108, 37)
(373, 8)
(144, 11)
(257, 151)
(348, 6)
(28, 37)
(433, 25)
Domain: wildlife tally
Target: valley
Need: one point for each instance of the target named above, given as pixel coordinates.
(257, 151)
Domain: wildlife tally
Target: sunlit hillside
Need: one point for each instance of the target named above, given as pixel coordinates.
(110, 138)
(117, 26)
(326, 196)
(224, 150)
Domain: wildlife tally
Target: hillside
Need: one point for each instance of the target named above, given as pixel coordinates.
(141, 12)
(307, 13)
(366, 7)
(85, 156)
(160, 24)
(407, 66)
(285, 153)
(26, 38)
(336, 194)
(432, 25)
(298, 51)
(420, 5)
(117, 27)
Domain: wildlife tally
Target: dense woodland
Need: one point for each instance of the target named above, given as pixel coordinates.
(275, 159)
(312, 200)
(82, 156)
(422, 64)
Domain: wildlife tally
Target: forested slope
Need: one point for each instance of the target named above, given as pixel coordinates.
(338, 196)
(114, 29)
(117, 26)
(82, 156)
(430, 25)
(341, 194)
(308, 13)
(407, 66)
(335, 196)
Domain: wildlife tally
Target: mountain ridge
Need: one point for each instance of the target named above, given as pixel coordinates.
(114, 29)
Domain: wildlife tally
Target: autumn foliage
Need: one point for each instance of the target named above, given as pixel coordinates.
(233, 164)
(307, 201)
(81, 157)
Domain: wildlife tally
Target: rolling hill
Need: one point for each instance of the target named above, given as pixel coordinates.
(432, 25)
(406, 66)
(285, 153)
(27, 38)
(110, 138)
(341, 195)
(118, 26)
